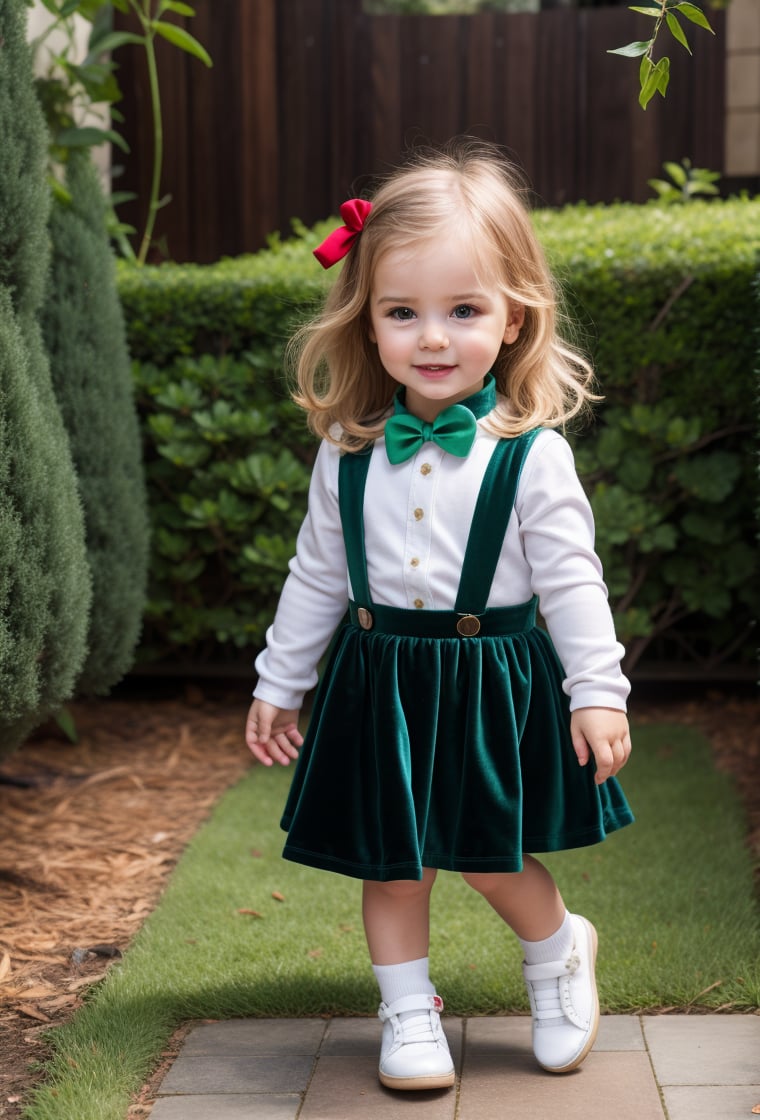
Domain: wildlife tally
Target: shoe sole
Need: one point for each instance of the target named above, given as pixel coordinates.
(594, 1030)
(434, 1081)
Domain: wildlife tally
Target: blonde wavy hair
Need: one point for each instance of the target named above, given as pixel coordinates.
(340, 381)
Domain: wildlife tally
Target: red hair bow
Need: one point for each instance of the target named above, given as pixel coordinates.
(334, 248)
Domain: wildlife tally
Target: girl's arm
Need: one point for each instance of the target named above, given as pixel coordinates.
(557, 532)
(604, 733)
(272, 733)
(314, 597)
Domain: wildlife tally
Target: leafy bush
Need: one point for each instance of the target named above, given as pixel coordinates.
(666, 300)
(662, 298)
(228, 461)
(240, 304)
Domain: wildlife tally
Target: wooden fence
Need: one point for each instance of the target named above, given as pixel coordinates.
(308, 98)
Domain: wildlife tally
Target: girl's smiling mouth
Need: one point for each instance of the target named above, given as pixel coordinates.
(432, 370)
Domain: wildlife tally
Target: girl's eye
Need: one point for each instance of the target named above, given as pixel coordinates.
(464, 311)
(402, 314)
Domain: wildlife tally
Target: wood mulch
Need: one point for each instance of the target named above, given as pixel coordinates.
(92, 832)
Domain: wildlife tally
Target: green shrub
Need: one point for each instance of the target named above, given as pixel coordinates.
(665, 297)
(228, 461)
(248, 303)
(44, 577)
(84, 333)
(662, 299)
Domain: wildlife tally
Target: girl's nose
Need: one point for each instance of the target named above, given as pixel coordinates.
(433, 337)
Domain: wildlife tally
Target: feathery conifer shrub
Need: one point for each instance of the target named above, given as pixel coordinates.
(44, 575)
(84, 333)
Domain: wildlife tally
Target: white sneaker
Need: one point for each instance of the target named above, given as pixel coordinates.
(564, 1003)
(414, 1052)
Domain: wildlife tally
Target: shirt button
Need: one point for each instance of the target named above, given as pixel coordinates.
(425, 468)
(419, 604)
(415, 561)
(419, 514)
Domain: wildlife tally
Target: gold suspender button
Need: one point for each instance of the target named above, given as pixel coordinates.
(366, 621)
(468, 626)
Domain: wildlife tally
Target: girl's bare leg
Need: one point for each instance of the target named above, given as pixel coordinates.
(414, 1053)
(528, 900)
(397, 918)
(560, 954)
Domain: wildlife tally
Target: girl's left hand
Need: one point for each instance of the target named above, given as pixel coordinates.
(603, 732)
(272, 733)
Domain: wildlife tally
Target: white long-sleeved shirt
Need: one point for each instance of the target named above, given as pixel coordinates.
(417, 518)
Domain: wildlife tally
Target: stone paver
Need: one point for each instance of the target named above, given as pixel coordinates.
(499, 1067)
(705, 1049)
(345, 1084)
(707, 1066)
(670, 1067)
(243, 1106)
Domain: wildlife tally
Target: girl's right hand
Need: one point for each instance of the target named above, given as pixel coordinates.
(272, 733)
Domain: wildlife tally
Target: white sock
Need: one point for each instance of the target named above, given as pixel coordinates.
(555, 948)
(408, 979)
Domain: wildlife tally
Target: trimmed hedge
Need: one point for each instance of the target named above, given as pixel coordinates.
(662, 298)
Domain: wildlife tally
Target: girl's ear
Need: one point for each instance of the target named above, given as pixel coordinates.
(514, 322)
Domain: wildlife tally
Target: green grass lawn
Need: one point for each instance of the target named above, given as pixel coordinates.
(671, 896)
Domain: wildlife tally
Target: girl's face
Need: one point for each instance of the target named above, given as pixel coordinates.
(437, 327)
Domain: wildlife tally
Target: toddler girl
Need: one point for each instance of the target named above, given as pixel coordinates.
(444, 508)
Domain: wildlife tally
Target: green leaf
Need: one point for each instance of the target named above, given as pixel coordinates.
(695, 14)
(96, 11)
(116, 198)
(182, 39)
(633, 50)
(677, 31)
(676, 171)
(664, 189)
(695, 187)
(90, 137)
(646, 11)
(662, 71)
(113, 40)
(68, 8)
(65, 721)
(682, 432)
(176, 6)
(710, 478)
(635, 470)
(649, 88)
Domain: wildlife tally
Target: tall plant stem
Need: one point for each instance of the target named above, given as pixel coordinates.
(158, 132)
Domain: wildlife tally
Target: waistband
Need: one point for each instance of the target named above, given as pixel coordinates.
(494, 623)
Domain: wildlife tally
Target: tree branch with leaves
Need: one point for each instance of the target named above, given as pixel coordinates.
(655, 76)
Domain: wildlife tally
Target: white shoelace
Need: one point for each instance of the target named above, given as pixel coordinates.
(548, 1008)
(416, 1027)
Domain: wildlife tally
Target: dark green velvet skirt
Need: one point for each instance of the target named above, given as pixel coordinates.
(429, 751)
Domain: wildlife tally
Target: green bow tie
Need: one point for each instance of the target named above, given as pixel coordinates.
(453, 430)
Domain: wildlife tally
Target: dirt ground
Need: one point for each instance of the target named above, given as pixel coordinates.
(92, 831)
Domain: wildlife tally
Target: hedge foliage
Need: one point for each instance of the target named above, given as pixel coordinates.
(83, 327)
(662, 298)
(44, 576)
